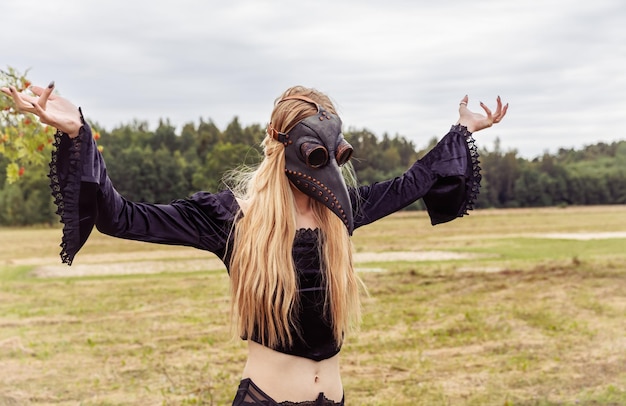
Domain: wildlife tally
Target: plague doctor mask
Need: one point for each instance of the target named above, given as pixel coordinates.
(315, 150)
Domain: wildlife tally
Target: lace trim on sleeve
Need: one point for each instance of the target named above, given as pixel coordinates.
(473, 187)
(65, 188)
(66, 193)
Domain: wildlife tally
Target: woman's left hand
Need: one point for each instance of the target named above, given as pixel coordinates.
(475, 121)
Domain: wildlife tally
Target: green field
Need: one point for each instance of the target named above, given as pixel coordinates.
(530, 311)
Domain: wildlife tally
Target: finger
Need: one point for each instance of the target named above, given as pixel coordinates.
(497, 114)
(37, 90)
(43, 98)
(6, 91)
(20, 103)
(504, 110)
(463, 103)
(500, 112)
(22, 98)
(498, 106)
(15, 96)
(38, 109)
(41, 113)
(487, 111)
(489, 119)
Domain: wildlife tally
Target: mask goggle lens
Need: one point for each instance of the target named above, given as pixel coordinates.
(315, 155)
(343, 153)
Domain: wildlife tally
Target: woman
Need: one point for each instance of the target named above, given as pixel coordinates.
(283, 231)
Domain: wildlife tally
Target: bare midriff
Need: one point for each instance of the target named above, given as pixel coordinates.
(287, 377)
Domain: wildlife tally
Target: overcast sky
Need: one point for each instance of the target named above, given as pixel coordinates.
(395, 66)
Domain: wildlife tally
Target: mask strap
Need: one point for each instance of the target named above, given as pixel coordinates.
(303, 98)
(284, 138)
(278, 136)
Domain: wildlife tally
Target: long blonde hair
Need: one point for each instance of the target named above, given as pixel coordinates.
(263, 278)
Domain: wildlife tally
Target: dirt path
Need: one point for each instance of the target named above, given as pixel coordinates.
(584, 236)
(173, 261)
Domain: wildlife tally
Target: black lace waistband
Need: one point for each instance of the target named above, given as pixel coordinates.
(248, 394)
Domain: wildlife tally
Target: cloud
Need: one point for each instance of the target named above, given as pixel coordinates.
(398, 67)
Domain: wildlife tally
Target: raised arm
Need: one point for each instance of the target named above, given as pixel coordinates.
(85, 195)
(448, 177)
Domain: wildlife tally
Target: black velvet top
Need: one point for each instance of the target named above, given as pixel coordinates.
(447, 178)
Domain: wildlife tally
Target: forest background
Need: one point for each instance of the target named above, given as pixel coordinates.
(164, 164)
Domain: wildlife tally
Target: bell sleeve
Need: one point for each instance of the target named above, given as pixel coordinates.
(85, 197)
(447, 178)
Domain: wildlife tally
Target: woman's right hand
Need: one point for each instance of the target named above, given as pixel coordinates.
(51, 109)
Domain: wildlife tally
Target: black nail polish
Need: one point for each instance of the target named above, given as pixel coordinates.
(51, 85)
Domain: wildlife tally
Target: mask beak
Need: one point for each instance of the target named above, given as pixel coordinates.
(328, 187)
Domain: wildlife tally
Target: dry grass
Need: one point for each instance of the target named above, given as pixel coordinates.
(535, 322)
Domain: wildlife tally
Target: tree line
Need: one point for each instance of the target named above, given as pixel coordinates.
(162, 164)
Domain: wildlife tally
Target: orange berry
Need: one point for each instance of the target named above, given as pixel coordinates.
(21, 171)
